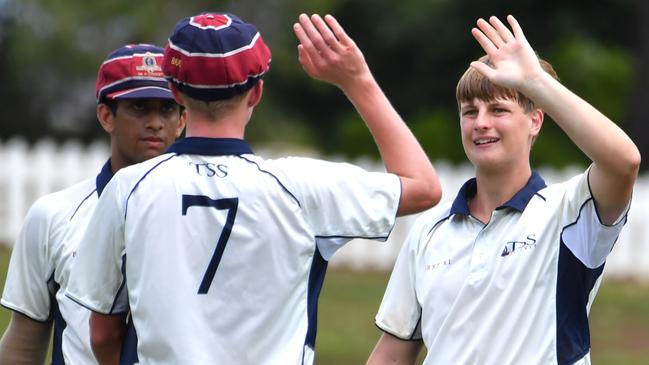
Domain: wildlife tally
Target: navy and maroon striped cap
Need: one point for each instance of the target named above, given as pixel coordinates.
(215, 56)
(133, 72)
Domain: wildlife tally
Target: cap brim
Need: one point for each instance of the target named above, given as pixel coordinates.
(145, 92)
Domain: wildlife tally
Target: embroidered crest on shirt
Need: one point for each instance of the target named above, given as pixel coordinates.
(513, 247)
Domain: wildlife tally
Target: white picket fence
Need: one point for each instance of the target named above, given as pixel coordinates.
(27, 172)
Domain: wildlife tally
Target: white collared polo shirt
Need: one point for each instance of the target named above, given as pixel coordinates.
(40, 264)
(221, 254)
(514, 291)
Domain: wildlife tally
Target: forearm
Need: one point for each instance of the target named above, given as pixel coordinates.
(25, 341)
(401, 152)
(594, 133)
(107, 334)
(390, 350)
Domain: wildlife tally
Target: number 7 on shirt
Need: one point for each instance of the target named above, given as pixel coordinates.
(231, 205)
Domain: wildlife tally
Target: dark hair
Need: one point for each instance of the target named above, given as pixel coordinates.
(111, 104)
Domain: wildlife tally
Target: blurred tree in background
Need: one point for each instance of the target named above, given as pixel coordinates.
(50, 51)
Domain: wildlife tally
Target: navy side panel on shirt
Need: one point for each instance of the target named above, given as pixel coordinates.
(316, 279)
(128, 355)
(59, 326)
(574, 283)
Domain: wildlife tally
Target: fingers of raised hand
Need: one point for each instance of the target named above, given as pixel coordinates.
(331, 42)
(485, 42)
(516, 28)
(338, 31)
(490, 32)
(504, 32)
(319, 38)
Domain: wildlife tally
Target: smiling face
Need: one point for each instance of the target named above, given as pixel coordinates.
(140, 128)
(497, 135)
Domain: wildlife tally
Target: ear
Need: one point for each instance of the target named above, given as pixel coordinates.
(181, 123)
(177, 95)
(537, 116)
(255, 94)
(105, 117)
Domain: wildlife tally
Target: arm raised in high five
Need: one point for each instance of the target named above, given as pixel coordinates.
(328, 54)
(616, 160)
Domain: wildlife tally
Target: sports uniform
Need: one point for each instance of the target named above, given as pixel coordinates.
(40, 264)
(42, 257)
(528, 276)
(224, 252)
(220, 253)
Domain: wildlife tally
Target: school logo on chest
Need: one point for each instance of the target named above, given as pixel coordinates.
(514, 247)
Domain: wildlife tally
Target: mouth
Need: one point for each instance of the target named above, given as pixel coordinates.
(485, 141)
(153, 141)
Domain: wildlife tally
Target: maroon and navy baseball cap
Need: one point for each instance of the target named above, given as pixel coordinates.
(133, 72)
(214, 56)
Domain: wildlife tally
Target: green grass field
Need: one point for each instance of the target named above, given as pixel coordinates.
(349, 300)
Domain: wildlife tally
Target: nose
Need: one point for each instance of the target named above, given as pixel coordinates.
(154, 121)
(482, 120)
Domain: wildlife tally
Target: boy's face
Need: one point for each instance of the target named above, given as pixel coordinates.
(498, 135)
(142, 128)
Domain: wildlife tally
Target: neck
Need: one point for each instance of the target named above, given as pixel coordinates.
(230, 126)
(494, 188)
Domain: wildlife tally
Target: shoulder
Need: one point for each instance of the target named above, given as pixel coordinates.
(427, 221)
(575, 187)
(301, 165)
(61, 204)
(141, 169)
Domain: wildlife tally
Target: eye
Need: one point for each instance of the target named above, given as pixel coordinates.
(138, 105)
(469, 112)
(169, 107)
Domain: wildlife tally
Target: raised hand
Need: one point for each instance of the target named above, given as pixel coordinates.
(515, 63)
(327, 53)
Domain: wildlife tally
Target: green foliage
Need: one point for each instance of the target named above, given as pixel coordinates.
(417, 49)
(602, 73)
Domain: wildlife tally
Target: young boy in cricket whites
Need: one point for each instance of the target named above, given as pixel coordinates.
(137, 109)
(506, 273)
(224, 252)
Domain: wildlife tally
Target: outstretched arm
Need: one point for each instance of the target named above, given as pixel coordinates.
(616, 159)
(25, 341)
(327, 53)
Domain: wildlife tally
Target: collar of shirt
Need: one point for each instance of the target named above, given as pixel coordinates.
(210, 146)
(104, 177)
(518, 201)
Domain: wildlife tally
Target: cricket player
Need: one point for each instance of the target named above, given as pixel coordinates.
(137, 109)
(222, 253)
(506, 273)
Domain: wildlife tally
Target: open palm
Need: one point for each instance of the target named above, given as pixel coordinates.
(514, 61)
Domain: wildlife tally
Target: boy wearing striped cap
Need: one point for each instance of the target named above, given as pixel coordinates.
(224, 251)
(137, 110)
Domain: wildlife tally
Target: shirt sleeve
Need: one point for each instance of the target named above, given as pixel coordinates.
(342, 201)
(400, 311)
(97, 279)
(29, 285)
(584, 234)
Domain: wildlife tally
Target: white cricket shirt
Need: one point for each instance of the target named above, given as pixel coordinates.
(40, 266)
(221, 253)
(514, 291)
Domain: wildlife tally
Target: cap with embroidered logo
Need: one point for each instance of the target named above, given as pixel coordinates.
(133, 72)
(214, 56)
